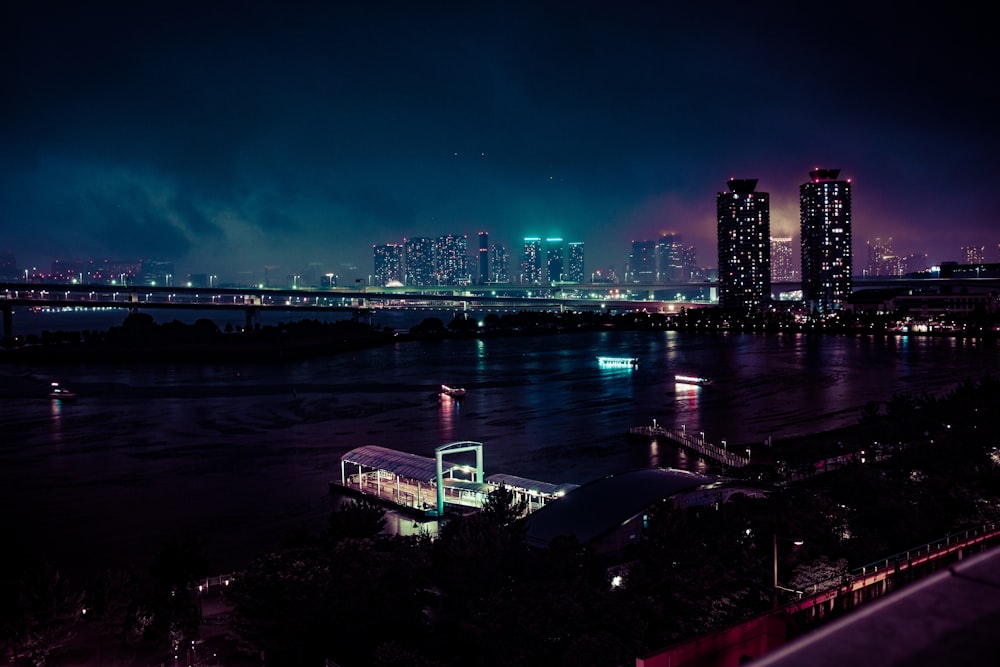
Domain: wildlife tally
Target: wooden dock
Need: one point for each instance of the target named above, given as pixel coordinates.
(694, 443)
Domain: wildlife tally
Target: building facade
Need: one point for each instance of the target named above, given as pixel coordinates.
(641, 267)
(554, 260)
(499, 262)
(825, 210)
(418, 261)
(744, 234)
(531, 261)
(388, 264)
(575, 272)
(484, 258)
(782, 267)
(451, 260)
(882, 260)
(670, 267)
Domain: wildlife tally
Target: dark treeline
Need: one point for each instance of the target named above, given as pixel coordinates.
(141, 338)
(477, 595)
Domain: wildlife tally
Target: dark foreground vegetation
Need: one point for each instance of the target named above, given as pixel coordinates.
(477, 595)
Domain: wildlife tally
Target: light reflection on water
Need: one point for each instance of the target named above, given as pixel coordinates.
(241, 451)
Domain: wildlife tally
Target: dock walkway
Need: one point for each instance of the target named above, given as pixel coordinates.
(697, 444)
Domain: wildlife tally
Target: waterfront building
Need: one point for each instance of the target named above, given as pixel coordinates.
(388, 264)
(689, 259)
(973, 254)
(641, 266)
(451, 260)
(499, 264)
(744, 232)
(484, 258)
(575, 271)
(882, 261)
(418, 261)
(531, 261)
(825, 209)
(554, 260)
(782, 268)
(670, 260)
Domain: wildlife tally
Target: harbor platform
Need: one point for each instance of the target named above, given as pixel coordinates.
(694, 443)
(431, 487)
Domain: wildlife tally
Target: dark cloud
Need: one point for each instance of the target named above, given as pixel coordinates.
(231, 135)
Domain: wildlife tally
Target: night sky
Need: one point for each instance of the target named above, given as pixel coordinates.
(238, 135)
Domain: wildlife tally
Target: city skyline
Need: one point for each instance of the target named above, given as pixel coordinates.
(247, 135)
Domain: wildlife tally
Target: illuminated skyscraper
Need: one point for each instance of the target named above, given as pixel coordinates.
(744, 233)
(575, 270)
(451, 260)
(499, 262)
(825, 208)
(388, 263)
(531, 263)
(484, 258)
(641, 268)
(882, 260)
(554, 260)
(418, 261)
(670, 260)
(782, 269)
(973, 254)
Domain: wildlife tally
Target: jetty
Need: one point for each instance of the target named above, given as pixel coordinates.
(696, 443)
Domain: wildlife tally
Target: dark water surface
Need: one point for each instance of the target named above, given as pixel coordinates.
(238, 453)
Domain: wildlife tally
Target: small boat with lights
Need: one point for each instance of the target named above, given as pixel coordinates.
(617, 362)
(59, 392)
(692, 379)
(454, 392)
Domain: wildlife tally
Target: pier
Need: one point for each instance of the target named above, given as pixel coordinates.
(697, 444)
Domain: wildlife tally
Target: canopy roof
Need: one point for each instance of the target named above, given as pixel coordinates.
(404, 464)
(525, 484)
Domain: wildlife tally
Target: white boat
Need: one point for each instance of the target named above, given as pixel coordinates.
(59, 392)
(617, 362)
(692, 379)
(454, 392)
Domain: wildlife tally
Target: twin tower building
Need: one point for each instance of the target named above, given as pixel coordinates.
(745, 243)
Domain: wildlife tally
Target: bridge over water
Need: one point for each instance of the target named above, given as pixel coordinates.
(359, 301)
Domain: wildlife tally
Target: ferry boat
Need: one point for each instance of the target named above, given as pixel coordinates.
(692, 379)
(617, 362)
(57, 391)
(454, 392)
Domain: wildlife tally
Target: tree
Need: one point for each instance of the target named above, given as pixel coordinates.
(282, 607)
(119, 605)
(502, 509)
(46, 611)
(355, 519)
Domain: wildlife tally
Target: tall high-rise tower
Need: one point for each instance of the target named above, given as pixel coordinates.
(641, 266)
(531, 261)
(554, 260)
(744, 245)
(670, 259)
(418, 261)
(388, 263)
(498, 263)
(825, 207)
(575, 272)
(484, 258)
(781, 259)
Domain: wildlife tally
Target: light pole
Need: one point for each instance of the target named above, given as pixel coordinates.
(775, 588)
